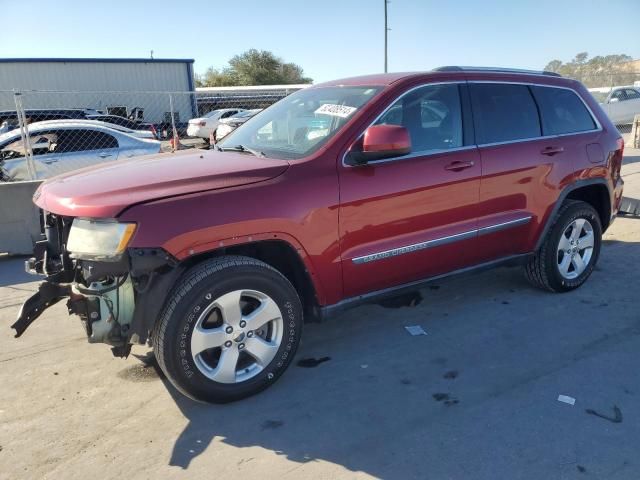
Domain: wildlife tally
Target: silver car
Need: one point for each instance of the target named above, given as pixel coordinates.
(59, 147)
(622, 104)
(114, 126)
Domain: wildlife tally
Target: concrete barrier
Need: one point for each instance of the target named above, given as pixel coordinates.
(19, 217)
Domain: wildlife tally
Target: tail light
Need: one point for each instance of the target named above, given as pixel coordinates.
(616, 160)
(154, 131)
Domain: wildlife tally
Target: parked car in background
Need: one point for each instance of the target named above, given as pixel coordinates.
(38, 115)
(229, 124)
(204, 126)
(130, 124)
(62, 146)
(621, 104)
(341, 193)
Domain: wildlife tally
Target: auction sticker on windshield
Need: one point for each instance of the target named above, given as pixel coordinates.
(342, 111)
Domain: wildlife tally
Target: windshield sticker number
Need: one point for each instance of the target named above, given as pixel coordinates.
(342, 111)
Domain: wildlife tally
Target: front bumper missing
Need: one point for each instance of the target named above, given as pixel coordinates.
(117, 302)
(48, 294)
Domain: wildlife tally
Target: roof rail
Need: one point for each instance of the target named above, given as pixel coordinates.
(454, 68)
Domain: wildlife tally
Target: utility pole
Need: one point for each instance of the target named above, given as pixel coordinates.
(386, 31)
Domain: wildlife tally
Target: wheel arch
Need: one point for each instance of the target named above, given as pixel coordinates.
(281, 255)
(595, 192)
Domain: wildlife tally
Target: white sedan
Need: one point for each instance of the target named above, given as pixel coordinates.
(97, 123)
(59, 147)
(229, 124)
(204, 126)
(622, 104)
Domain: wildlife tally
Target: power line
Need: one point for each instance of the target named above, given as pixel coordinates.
(386, 32)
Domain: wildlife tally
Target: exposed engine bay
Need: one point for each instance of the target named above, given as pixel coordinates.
(113, 298)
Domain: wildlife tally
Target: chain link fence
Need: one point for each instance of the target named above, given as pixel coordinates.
(45, 133)
(617, 92)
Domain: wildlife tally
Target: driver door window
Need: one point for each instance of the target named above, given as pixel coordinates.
(41, 144)
(432, 115)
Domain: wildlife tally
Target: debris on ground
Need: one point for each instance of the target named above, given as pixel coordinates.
(447, 399)
(567, 399)
(415, 330)
(407, 300)
(312, 362)
(629, 206)
(450, 375)
(617, 414)
(272, 424)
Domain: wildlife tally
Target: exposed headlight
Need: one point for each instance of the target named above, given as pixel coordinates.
(99, 239)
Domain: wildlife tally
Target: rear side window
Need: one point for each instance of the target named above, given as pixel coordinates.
(84, 140)
(503, 112)
(562, 111)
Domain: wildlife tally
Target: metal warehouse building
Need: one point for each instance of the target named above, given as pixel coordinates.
(115, 85)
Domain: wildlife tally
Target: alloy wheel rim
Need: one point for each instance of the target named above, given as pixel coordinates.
(236, 336)
(575, 248)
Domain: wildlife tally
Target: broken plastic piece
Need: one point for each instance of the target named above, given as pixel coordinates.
(415, 330)
(567, 399)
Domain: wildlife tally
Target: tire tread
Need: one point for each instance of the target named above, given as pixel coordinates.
(190, 280)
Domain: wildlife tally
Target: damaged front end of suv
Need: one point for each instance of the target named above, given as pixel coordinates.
(108, 285)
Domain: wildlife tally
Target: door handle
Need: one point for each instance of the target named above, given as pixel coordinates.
(459, 166)
(551, 151)
(105, 155)
(50, 161)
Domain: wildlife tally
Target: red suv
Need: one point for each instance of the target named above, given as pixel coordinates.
(338, 194)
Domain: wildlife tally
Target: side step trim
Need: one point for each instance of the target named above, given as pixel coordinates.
(329, 311)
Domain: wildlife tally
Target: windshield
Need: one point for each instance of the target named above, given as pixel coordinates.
(301, 123)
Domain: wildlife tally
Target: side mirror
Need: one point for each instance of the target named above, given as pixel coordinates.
(614, 100)
(379, 142)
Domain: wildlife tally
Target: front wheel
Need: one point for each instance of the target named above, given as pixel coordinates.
(570, 250)
(229, 329)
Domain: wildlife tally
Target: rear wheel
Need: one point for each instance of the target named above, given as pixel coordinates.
(230, 329)
(570, 251)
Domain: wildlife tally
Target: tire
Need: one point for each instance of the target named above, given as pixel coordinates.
(563, 267)
(196, 350)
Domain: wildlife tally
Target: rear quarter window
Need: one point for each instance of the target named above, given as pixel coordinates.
(503, 112)
(562, 111)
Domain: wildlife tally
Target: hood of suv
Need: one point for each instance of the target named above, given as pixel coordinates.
(105, 191)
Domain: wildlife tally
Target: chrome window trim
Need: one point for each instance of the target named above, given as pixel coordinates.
(593, 116)
(414, 247)
(421, 153)
(424, 153)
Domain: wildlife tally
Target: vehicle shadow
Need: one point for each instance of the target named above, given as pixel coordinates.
(629, 159)
(443, 403)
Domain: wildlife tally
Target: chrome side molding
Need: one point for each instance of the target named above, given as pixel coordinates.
(394, 252)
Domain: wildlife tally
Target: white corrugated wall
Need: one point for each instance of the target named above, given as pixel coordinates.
(95, 80)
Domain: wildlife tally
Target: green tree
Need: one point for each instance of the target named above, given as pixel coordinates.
(253, 67)
(600, 71)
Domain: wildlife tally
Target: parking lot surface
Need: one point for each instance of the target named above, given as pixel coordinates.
(477, 397)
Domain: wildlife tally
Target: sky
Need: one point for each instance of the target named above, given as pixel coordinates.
(328, 38)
